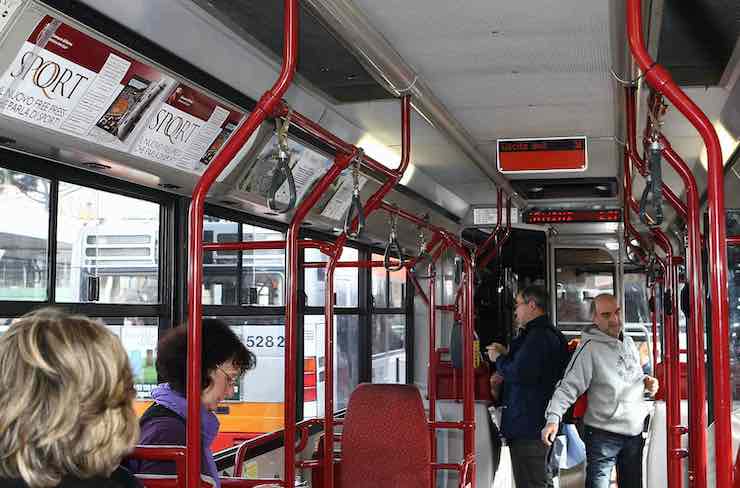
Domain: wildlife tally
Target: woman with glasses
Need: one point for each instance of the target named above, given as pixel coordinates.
(223, 360)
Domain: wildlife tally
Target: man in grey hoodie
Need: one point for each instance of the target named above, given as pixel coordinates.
(607, 366)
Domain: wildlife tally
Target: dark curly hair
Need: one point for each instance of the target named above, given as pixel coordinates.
(220, 344)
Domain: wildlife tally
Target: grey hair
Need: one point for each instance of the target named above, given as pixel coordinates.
(536, 294)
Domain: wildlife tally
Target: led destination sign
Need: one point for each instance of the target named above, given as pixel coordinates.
(542, 155)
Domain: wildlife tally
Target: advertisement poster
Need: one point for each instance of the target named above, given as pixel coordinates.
(186, 130)
(306, 165)
(140, 342)
(67, 81)
(337, 199)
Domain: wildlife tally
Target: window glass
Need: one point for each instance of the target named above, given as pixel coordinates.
(24, 236)
(580, 274)
(345, 279)
(257, 403)
(636, 295)
(346, 362)
(220, 272)
(389, 352)
(139, 336)
(107, 248)
(379, 284)
(263, 271)
(733, 280)
(397, 288)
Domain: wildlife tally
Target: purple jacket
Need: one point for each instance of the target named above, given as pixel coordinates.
(163, 424)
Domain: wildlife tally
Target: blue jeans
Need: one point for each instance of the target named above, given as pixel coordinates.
(604, 450)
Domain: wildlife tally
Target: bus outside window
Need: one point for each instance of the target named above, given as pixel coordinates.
(24, 236)
(114, 257)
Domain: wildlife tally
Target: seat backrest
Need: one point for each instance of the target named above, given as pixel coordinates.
(385, 439)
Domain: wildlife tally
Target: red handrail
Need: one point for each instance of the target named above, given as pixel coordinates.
(263, 109)
(371, 205)
(671, 379)
(483, 248)
(659, 78)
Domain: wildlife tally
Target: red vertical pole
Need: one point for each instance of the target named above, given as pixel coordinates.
(329, 368)
(264, 108)
(468, 372)
(671, 380)
(654, 319)
(432, 370)
(658, 78)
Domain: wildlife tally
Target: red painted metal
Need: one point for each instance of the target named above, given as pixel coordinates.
(340, 146)
(348, 264)
(733, 240)
(432, 369)
(486, 246)
(329, 368)
(503, 238)
(672, 384)
(468, 332)
(291, 311)
(160, 453)
(264, 108)
(659, 78)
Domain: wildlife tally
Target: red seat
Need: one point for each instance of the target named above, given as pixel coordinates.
(385, 439)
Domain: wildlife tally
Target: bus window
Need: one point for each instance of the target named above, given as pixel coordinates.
(396, 288)
(389, 348)
(114, 240)
(346, 362)
(733, 269)
(263, 271)
(220, 270)
(257, 403)
(636, 310)
(345, 280)
(581, 275)
(379, 278)
(24, 236)
(139, 337)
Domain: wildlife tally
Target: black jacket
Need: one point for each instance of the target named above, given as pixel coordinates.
(120, 478)
(531, 369)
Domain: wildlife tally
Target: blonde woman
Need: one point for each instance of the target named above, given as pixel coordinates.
(66, 404)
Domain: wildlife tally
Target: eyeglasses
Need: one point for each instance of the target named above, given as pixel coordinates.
(232, 381)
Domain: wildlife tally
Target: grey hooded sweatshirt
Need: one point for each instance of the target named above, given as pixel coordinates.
(609, 369)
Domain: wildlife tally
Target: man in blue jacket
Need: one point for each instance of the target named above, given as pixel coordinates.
(531, 367)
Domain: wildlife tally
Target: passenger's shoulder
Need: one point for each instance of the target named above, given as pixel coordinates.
(122, 478)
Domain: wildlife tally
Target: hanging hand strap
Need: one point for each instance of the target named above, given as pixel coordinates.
(651, 201)
(393, 248)
(282, 171)
(424, 260)
(458, 271)
(355, 206)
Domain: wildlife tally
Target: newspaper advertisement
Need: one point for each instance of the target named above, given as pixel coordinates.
(339, 196)
(187, 130)
(64, 80)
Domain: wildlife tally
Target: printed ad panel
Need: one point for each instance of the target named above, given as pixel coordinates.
(64, 80)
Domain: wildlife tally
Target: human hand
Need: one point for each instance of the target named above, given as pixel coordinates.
(495, 349)
(549, 433)
(651, 385)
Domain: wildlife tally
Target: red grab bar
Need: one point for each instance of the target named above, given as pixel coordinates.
(264, 108)
(659, 78)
